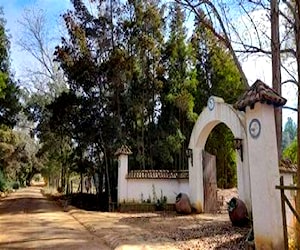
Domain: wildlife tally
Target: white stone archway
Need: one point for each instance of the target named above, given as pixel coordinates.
(210, 117)
(257, 170)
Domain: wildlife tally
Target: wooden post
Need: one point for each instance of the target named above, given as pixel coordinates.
(285, 234)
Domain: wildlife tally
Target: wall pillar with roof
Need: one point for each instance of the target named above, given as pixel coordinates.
(259, 103)
(122, 154)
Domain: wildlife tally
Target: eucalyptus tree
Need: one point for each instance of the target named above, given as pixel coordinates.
(143, 39)
(216, 74)
(177, 100)
(92, 115)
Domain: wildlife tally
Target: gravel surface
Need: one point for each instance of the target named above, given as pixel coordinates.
(190, 232)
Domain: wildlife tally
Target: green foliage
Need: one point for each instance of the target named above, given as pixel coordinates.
(15, 185)
(3, 182)
(9, 102)
(289, 133)
(217, 75)
(160, 203)
(291, 151)
(134, 77)
(17, 155)
(220, 144)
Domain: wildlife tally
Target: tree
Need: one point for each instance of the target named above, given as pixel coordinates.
(17, 156)
(85, 56)
(130, 84)
(45, 77)
(197, 7)
(291, 151)
(276, 69)
(289, 133)
(44, 82)
(9, 109)
(216, 75)
(144, 45)
(296, 14)
(9, 100)
(177, 102)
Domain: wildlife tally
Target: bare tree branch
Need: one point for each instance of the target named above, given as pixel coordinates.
(36, 41)
(223, 38)
(290, 81)
(290, 108)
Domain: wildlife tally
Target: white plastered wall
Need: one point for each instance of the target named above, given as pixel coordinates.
(264, 176)
(136, 190)
(139, 189)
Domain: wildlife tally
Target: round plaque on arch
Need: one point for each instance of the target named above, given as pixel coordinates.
(211, 103)
(254, 128)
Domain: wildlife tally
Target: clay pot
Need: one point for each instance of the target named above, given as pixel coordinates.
(238, 213)
(183, 204)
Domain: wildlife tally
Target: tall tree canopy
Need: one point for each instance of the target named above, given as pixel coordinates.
(136, 78)
(9, 102)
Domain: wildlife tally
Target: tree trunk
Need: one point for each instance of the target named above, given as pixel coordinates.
(297, 35)
(81, 182)
(276, 74)
(107, 184)
(63, 179)
(107, 181)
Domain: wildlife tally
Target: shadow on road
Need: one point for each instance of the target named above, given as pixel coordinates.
(19, 205)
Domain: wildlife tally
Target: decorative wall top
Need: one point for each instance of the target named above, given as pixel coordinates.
(123, 150)
(259, 92)
(158, 174)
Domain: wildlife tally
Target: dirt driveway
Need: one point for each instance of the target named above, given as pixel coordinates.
(30, 221)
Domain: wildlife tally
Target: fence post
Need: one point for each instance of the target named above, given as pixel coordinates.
(285, 234)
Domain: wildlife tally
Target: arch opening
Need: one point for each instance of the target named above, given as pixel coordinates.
(219, 169)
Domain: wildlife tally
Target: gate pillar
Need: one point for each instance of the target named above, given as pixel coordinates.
(258, 103)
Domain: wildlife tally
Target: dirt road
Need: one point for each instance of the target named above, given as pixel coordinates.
(30, 221)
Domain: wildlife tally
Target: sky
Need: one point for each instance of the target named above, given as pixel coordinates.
(255, 67)
(13, 12)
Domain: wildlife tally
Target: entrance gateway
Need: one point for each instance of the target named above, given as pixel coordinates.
(252, 122)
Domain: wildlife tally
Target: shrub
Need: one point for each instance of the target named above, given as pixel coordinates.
(15, 185)
(60, 189)
(3, 182)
